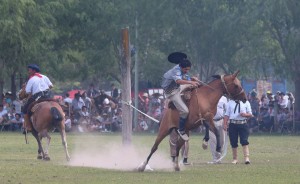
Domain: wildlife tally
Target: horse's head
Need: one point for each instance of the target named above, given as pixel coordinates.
(233, 88)
(22, 93)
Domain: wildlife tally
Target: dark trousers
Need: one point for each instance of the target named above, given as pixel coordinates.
(26, 105)
(41, 95)
(238, 130)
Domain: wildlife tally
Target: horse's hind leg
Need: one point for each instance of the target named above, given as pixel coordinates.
(46, 157)
(64, 143)
(163, 132)
(41, 153)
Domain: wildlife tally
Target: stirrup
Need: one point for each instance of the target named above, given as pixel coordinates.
(183, 135)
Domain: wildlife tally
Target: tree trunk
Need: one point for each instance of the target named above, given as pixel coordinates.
(126, 88)
(1, 90)
(13, 85)
(297, 93)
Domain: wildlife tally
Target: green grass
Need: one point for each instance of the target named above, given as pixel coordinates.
(274, 159)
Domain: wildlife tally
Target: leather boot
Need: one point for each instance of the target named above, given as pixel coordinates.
(246, 154)
(234, 155)
(27, 123)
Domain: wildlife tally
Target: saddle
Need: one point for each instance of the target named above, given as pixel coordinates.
(36, 104)
(186, 94)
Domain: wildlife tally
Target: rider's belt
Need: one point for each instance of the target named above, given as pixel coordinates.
(41, 93)
(238, 121)
(218, 119)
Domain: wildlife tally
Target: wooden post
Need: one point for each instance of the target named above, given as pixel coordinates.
(126, 88)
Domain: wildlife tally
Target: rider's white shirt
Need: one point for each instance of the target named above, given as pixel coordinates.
(36, 84)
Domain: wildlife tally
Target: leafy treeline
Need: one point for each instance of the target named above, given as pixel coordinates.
(79, 40)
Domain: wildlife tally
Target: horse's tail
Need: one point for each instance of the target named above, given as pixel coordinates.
(57, 116)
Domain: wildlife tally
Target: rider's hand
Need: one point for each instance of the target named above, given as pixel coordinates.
(194, 83)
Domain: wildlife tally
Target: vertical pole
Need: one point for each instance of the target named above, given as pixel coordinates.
(136, 73)
(126, 88)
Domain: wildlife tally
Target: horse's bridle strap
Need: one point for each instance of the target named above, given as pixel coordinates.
(225, 86)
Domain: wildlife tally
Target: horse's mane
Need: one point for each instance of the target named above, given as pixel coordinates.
(213, 78)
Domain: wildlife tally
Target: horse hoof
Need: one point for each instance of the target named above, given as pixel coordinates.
(39, 157)
(68, 159)
(142, 167)
(204, 145)
(47, 159)
(177, 169)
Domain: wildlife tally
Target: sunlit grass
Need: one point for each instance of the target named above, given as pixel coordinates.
(274, 159)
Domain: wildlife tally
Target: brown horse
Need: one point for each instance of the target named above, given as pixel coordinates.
(202, 107)
(46, 115)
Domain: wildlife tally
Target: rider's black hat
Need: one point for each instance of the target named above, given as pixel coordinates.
(177, 57)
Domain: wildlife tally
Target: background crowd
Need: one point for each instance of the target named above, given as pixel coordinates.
(273, 112)
(93, 110)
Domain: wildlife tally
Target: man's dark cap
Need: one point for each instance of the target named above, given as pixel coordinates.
(34, 67)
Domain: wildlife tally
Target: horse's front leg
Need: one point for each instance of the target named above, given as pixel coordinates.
(206, 136)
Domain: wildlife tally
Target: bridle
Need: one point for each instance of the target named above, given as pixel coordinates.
(226, 88)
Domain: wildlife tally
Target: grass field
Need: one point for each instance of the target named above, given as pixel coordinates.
(100, 158)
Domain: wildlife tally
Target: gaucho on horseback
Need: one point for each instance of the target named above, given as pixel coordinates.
(37, 87)
(172, 79)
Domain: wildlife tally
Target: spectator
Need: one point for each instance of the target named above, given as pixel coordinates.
(17, 105)
(291, 100)
(92, 92)
(144, 100)
(84, 113)
(87, 101)
(265, 120)
(283, 100)
(16, 122)
(156, 113)
(68, 123)
(77, 105)
(3, 114)
(264, 102)
(67, 99)
(114, 92)
(271, 98)
(8, 100)
(143, 126)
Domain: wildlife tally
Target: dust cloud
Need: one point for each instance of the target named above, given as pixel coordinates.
(114, 155)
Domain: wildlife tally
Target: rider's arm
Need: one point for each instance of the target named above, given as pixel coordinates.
(180, 81)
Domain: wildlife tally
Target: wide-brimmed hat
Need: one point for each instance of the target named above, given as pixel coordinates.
(177, 57)
(34, 67)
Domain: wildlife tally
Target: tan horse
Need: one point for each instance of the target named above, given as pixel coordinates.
(46, 115)
(202, 107)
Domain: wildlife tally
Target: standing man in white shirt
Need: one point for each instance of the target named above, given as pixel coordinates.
(37, 87)
(218, 121)
(236, 120)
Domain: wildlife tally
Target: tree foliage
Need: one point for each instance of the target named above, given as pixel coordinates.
(76, 40)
